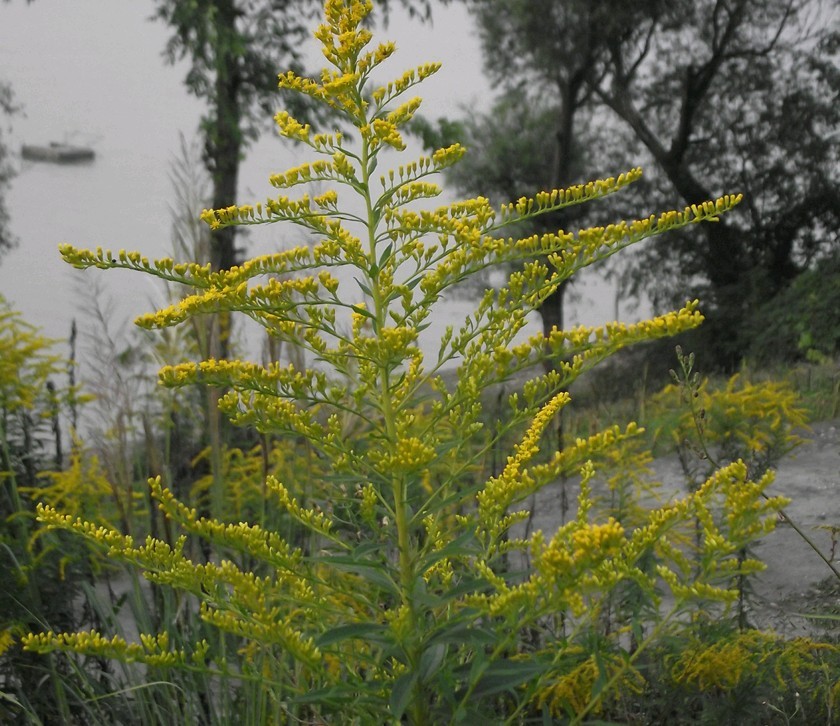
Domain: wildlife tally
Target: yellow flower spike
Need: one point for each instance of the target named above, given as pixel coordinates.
(501, 491)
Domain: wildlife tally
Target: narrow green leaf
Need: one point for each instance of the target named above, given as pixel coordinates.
(371, 571)
(401, 694)
(365, 288)
(464, 546)
(361, 311)
(506, 675)
(431, 660)
(463, 633)
(386, 254)
(354, 631)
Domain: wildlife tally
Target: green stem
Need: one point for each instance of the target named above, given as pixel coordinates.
(796, 528)
(417, 706)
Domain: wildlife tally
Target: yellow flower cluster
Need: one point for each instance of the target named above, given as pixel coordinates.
(313, 519)
(306, 210)
(303, 174)
(340, 35)
(368, 503)
(266, 546)
(406, 454)
(563, 342)
(514, 483)
(558, 198)
(382, 132)
(265, 628)
(718, 665)
(7, 640)
(573, 691)
(102, 535)
(383, 95)
(782, 664)
(152, 650)
(188, 273)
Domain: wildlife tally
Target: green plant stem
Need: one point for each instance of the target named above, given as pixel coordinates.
(417, 706)
(796, 528)
(21, 532)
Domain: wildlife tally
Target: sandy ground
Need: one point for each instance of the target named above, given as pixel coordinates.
(810, 477)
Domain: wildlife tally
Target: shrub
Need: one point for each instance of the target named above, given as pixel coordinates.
(801, 321)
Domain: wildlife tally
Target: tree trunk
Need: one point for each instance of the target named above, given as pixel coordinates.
(223, 151)
(223, 146)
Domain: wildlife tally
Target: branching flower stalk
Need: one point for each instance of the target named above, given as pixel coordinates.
(386, 592)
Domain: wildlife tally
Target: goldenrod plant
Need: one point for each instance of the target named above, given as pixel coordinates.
(389, 595)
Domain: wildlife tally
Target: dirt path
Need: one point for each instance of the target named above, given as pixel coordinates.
(810, 477)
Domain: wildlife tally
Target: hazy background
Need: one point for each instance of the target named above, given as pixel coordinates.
(91, 72)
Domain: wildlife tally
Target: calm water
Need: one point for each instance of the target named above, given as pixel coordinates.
(90, 72)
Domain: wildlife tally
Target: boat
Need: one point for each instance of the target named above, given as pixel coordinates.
(57, 153)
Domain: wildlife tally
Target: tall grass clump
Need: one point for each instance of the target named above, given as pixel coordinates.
(380, 586)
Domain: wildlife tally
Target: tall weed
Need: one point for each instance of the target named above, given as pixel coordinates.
(377, 583)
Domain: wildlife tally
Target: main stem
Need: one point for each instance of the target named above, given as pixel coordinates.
(399, 485)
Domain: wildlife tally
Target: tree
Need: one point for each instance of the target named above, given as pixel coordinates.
(723, 95)
(235, 50)
(7, 109)
(554, 47)
(735, 94)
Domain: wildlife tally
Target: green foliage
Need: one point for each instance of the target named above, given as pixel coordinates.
(379, 576)
(41, 572)
(801, 322)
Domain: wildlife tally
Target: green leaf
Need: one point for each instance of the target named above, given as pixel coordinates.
(599, 684)
(374, 572)
(361, 311)
(463, 633)
(365, 288)
(386, 254)
(401, 694)
(431, 660)
(354, 631)
(506, 675)
(464, 546)
(10, 697)
(341, 694)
